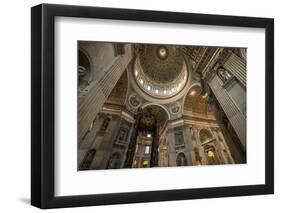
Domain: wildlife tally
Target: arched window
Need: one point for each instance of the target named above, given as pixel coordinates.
(207, 141)
(84, 71)
(114, 161)
(86, 162)
(181, 160)
(205, 136)
(145, 163)
(211, 155)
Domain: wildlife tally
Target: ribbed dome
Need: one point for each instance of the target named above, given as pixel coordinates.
(160, 70)
(161, 63)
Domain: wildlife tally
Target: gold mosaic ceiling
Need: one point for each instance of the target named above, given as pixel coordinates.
(195, 103)
(118, 94)
(161, 63)
(195, 53)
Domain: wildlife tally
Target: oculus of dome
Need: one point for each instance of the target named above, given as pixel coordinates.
(162, 52)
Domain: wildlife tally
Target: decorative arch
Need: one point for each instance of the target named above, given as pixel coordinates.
(152, 114)
(195, 84)
(211, 154)
(87, 55)
(181, 159)
(84, 70)
(205, 136)
(159, 105)
(195, 103)
(114, 161)
(223, 74)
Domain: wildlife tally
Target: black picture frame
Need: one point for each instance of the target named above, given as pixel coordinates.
(43, 105)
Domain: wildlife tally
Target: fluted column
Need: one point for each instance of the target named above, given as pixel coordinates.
(155, 145)
(87, 142)
(132, 145)
(172, 151)
(188, 145)
(90, 102)
(198, 144)
(237, 67)
(224, 149)
(128, 142)
(233, 113)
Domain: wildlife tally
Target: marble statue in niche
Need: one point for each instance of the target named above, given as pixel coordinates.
(191, 129)
(86, 163)
(198, 158)
(181, 160)
(114, 161)
(122, 134)
(84, 73)
(224, 74)
(105, 124)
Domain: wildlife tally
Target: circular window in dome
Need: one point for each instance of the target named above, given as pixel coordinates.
(162, 52)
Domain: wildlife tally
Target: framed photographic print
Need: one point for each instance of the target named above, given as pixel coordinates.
(140, 106)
